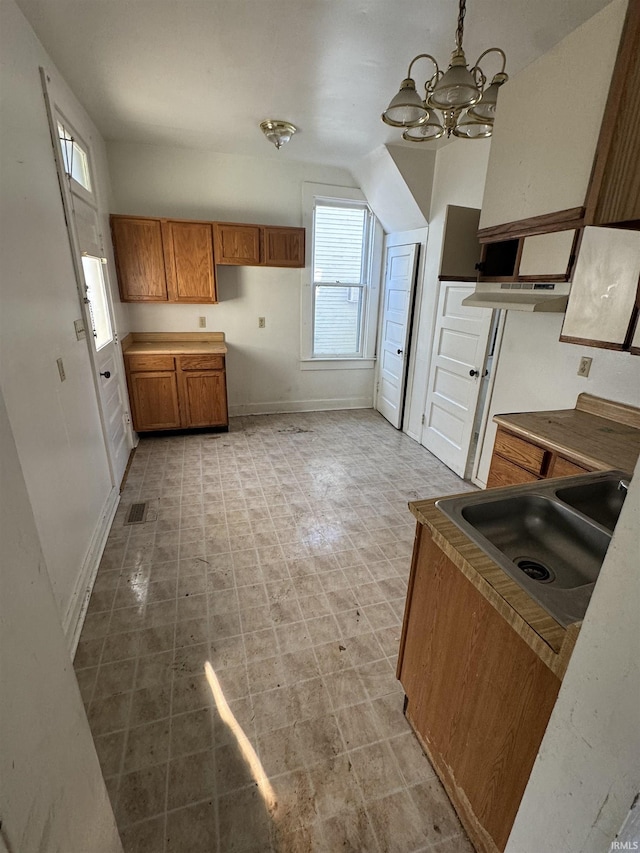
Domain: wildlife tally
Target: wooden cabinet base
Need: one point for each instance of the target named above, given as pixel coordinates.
(479, 697)
(173, 390)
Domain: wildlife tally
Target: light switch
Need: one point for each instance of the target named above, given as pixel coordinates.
(63, 375)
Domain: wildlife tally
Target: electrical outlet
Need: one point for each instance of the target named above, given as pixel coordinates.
(585, 366)
(63, 375)
(202, 322)
(261, 322)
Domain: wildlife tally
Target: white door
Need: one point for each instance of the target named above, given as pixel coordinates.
(81, 204)
(396, 314)
(458, 357)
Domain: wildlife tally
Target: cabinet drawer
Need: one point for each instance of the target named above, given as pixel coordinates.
(202, 362)
(150, 362)
(563, 468)
(523, 453)
(505, 473)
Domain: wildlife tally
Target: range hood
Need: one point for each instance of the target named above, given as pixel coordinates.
(520, 296)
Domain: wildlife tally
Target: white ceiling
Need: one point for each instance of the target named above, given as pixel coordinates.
(204, 73)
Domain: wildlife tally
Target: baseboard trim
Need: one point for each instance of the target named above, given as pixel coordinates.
(292, 406)
(77, 608)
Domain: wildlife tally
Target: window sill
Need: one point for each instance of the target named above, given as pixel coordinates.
(337, 363)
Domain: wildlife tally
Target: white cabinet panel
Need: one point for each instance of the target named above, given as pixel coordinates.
(546, 254)
(547, 124)
(604, 286)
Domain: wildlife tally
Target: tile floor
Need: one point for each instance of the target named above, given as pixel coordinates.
(275, 559)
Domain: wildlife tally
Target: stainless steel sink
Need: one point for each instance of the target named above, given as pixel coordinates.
(600, 501)
(551, 537)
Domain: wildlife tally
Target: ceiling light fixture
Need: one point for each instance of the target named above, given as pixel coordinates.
(468, 108)
(278, 132)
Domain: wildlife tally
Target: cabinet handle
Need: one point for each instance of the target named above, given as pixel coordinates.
(474, 373)
(106, 374)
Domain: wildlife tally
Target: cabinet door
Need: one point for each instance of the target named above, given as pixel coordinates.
(547, 257)
(139, 259)
(237, 245)
(283, 247)
(154, 398)
(189, 261)
(478, 695)
(603, 294)
(204, 398)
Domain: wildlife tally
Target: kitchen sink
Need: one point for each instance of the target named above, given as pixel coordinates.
(550, 536)
(600, 501)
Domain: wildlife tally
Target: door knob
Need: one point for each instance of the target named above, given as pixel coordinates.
(106, 374)
(474, 373)
(399, 351)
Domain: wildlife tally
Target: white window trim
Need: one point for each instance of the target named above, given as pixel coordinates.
(310, 192)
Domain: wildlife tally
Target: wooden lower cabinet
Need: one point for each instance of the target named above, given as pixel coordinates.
(516, 460)
(177, 392)
(204, 397)
(154, 400)
(478, 697)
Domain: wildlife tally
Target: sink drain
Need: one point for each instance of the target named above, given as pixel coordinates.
(535, 570)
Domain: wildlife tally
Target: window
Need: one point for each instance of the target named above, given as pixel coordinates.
(341, 279)
(97, 295)
(340, 275)
(74, 157)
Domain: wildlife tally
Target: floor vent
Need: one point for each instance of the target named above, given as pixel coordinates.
(137, 513)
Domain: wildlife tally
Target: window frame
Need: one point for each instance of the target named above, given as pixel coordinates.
(62, 123)
(340, 196)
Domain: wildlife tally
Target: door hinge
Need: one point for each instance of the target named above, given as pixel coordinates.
(423, 419)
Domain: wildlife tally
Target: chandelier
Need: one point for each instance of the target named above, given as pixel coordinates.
(459, 94)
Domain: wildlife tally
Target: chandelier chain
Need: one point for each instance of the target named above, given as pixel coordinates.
(460, 28)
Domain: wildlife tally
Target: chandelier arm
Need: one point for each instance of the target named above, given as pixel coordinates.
(485, 53)
(478, 76)
(423, 56)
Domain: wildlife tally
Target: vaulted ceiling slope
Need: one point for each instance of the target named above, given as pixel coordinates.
(204, 73)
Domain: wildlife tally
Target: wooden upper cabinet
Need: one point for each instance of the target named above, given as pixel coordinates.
(237, 244)
(283, 247)
(258, 245)
(614, 193)
(188, 248)
(544, 147)
(139, 259)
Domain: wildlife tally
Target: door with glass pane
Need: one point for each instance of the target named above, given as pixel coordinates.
(73, 159)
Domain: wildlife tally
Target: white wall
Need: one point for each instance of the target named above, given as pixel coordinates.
(51, 788)
(392, 199)
(536, 372)
(416, 164)
(56, 425)
(263, 364)
(588, 769)
(459, 176)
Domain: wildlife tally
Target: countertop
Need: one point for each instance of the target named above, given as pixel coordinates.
(549, 640)
(598, 434)
(174, 343)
